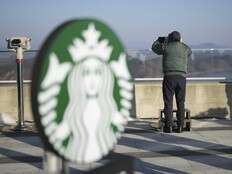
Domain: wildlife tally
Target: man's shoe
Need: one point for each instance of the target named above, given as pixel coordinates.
(168, 129)
(179, 129)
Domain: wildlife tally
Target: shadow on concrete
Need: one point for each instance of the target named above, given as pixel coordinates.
(219, 113)
(29, 137)
(19, 157)
(145, 167)
(224, 122)
(228, 89)
(32, 140)
(210, 155)
(138, 166)
(200, 157)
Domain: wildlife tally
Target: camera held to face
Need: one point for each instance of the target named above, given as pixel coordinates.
(163, 40)
(19, 42)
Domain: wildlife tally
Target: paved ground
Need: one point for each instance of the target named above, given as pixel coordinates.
(206, 149)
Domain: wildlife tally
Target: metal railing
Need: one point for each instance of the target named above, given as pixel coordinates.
(13, 81)
(189, 79)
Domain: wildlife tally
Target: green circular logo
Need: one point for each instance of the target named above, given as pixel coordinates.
(81, 90)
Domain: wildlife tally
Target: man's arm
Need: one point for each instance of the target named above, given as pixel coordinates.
(158, 47)
(189, 52)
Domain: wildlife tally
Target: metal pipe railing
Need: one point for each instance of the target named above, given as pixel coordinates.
(14, 82)
(190, 79)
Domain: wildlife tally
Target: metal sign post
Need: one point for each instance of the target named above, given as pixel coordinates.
(19, 45)
(53, 164)
(19, 61)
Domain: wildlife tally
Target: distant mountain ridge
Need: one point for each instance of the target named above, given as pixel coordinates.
(208, 46)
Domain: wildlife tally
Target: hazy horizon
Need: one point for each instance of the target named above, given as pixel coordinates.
(137, 23)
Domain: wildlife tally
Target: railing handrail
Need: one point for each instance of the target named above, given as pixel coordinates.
(190, 79)
(13, 81)
(12, 51)
(193, 49)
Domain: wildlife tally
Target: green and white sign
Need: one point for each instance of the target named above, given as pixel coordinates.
(81, 90)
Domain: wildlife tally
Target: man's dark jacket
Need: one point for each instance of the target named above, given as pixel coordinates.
(175, 57)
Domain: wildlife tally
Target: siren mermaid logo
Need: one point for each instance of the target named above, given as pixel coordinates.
(99, 93)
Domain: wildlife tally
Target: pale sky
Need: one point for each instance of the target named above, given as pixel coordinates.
(136, 22)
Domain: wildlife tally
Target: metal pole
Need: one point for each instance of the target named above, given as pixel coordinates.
(19, 61)
(53, 164)
(65, 167)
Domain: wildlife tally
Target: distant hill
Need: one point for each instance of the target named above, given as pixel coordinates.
(208, 46)
(3, 49)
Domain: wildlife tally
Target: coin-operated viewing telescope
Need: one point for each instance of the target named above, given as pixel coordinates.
(19, 45)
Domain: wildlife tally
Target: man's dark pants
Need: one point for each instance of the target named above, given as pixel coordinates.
(174, 84)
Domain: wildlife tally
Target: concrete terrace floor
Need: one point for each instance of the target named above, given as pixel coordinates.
(206, 149)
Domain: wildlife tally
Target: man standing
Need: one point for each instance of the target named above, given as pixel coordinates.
(175, 56)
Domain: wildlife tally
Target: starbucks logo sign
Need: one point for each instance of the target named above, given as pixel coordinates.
(81, 90)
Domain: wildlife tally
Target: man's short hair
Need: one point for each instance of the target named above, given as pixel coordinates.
(174, 36)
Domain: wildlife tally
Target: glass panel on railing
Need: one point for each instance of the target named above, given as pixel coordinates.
(143, 64)
(8, 65)
(202, 63)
